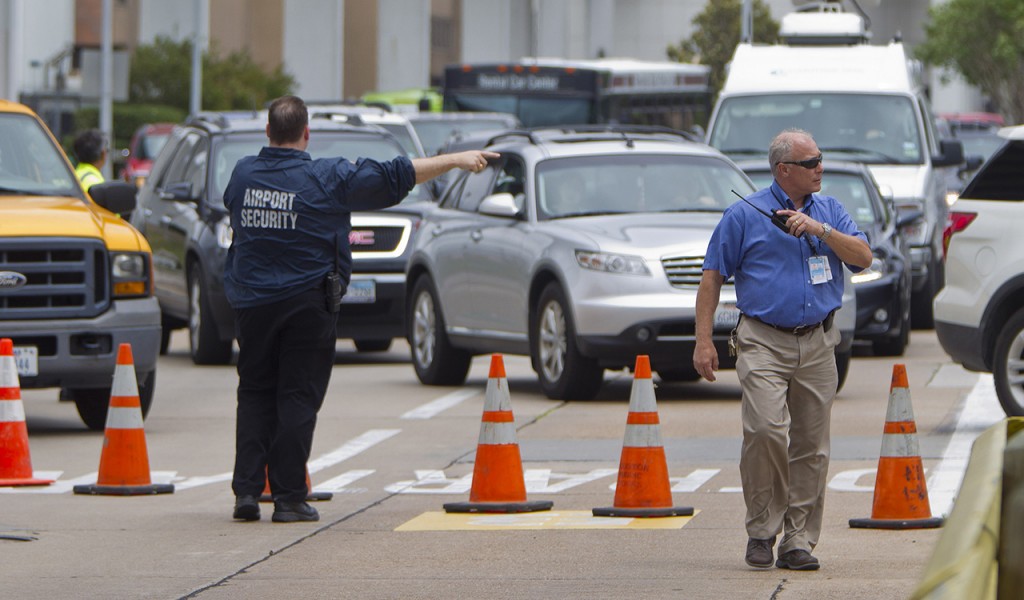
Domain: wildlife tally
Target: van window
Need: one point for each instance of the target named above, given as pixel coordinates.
(869, 128)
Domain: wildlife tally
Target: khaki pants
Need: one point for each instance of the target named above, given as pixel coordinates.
(788, 383)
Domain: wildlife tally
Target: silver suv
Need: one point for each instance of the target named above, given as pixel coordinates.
(979, 315)
(580, 248)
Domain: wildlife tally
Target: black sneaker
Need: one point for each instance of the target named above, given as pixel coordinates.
(247, 508)
(290, 512)
(759, 553)
(798, 560)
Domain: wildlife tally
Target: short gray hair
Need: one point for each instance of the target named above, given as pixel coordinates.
(781, 147)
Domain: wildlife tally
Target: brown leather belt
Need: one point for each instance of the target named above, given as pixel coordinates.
(797, 331)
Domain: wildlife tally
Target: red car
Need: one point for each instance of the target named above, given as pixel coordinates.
(145, 145)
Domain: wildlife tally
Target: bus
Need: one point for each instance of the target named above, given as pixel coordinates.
(546, 92)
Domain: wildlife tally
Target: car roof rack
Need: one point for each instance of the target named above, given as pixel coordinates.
(627, 133)
(221, 119)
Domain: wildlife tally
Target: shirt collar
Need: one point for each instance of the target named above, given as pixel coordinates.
(780, 193)
(278, 152)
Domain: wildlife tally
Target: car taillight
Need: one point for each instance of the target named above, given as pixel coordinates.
(957, 222)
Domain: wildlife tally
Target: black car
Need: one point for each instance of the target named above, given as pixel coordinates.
(182, 214)
(883, 289)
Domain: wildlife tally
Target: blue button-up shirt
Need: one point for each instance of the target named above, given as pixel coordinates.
(290, 216)
(770, 267)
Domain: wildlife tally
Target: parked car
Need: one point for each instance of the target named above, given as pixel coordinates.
(436, 128)
(979, 314)
(182, 214)
(979, 133)
(76, 280)
(145, 145)
(359, 114)
(580, 249)
(883, 289)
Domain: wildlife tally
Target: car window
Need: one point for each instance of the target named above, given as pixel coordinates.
(29, 161)
(851, 189)
(475, 188)
(179, 162)
(612, 184)
(1002, 177)
(195, 173)
(450, 199)
(434, 134)
(322, 144)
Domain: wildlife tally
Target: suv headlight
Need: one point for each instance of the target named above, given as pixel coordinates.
(872, 273)
(612, 263)
(224, 233)
(130, 273)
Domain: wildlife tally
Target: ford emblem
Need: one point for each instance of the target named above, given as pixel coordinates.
(11, 280)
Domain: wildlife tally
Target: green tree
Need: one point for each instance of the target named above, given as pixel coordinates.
(717, 32)
(161, 74)
(983, 40)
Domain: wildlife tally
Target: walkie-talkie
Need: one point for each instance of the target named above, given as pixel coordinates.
(779, 220)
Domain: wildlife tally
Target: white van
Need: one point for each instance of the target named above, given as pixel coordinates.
(862, 103)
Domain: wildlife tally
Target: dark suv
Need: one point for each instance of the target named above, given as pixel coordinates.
(181, 212)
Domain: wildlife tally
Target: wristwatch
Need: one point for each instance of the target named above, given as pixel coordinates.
(826, 230)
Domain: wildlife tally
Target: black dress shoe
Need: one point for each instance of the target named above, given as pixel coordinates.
(798, 560)
(290, 512)
(759, 553)
(247, 508)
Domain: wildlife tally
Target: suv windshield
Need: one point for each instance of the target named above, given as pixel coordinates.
(322, 144)
(869, 128)
(593, 185)
(434, 134)
(29, 162)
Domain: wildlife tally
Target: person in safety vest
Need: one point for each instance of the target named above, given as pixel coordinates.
(91, 151)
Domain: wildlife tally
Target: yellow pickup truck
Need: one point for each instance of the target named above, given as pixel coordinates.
(75, 277)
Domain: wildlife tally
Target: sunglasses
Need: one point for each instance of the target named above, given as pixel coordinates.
(810, 163)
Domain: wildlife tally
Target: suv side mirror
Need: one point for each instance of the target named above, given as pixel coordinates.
(951, 152)
(971, 163)
(178, 192)
(499, 205)
(907, 216)
(115, 196)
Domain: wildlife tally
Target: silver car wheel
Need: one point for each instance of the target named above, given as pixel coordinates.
(552, 344)
(1015, 369)
(424, 330)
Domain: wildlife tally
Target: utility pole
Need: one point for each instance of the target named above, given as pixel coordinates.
(196, 91)
(107, 85)
(747, 22)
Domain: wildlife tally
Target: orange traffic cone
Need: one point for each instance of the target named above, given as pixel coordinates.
(311, 496)
(124, 462)
(15, 461)
(643, 488)
(498, 483)
(901, 495)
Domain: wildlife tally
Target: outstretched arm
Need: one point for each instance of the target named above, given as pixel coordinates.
(470, 160)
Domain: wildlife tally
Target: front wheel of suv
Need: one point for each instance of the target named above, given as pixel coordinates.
(93, 403)
(1008, 365)
(436, 361)
(565, 374)
(204, 342)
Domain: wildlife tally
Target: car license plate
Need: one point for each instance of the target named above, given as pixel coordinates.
(360, 291)
(26, 359)
(726, 316)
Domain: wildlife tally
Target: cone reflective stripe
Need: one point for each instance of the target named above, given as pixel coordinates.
(901, 493)
(643, 488)
(498, 483)
(124, 462)
(15, 459)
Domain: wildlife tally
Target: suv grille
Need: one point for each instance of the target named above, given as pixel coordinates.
(683, 271)
(382, 236)
(63, 278)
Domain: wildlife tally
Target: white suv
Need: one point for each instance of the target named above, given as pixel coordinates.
(979, 315)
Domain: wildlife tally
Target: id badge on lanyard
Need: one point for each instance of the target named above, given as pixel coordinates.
(821, 270)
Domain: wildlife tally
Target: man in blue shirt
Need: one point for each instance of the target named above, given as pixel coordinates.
(287, 268)
(789, 283)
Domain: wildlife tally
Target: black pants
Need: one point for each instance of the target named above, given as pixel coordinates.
(286, 353)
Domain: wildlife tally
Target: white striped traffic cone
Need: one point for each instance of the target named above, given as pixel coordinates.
(498, 483)
(643, 488)
(15, 460)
